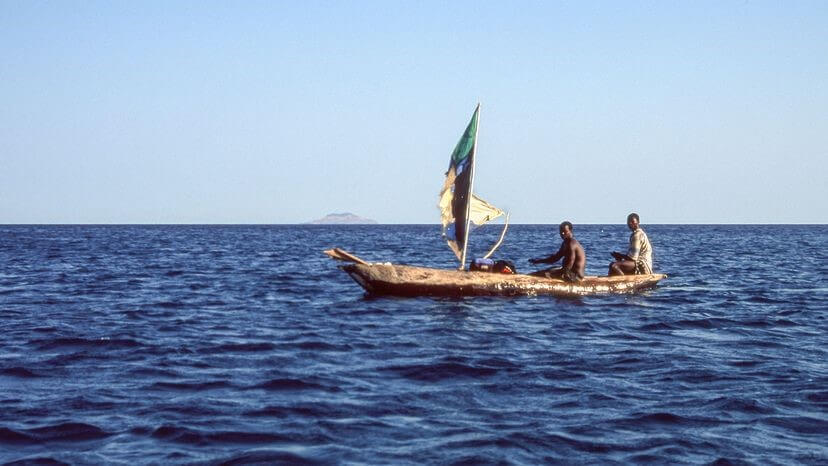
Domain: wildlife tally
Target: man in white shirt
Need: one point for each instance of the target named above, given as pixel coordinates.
(639, 257)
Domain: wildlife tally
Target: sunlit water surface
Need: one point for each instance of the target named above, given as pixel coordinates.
(244, 344)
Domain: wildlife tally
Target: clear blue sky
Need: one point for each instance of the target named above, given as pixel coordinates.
(282, 112)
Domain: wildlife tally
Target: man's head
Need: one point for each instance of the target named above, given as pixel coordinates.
(632, 221)
(565, 230)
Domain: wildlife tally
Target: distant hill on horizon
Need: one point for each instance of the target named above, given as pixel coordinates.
(345, 218)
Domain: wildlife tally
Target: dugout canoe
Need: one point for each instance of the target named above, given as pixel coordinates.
(406, 280)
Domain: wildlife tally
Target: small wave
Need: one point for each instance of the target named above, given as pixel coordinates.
(66, 432)
(311, 411)
(705, 324)
(664, 419)
(45, 329)
(786, 323)
(321, 346)
(478, 442)
(567, 404)
(656, 326)
(499, 363)
(198, 437)
(153, 372)
(247, 437)
(646, 458)
(133, 314)
(271, 411)
(561, 374)
(69, 431)
(697, 376)
(745, 363)
(625, 336)
(21, 372)
(244, 347)
(756, 323)
(292, 384)
(799, 424)
(37, 461)
(56, 343)
(178, 434)
(762, 343)
(140, 430)
(198, 286)
(725, 462)
(747, 406)
(65, 359)
(764, 300)
(471, 460)
(170, 304)
(190, 409)
(660, 418)
(817, 397)
(266, 457)
(12, 436)
(582, 445)
(85, 404)
(212, 385)
(627, 362)
(441, 371)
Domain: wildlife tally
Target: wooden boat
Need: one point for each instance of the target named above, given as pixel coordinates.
(460, 208)
(404, 280)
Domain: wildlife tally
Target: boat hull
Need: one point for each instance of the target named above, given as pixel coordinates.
(404, 280)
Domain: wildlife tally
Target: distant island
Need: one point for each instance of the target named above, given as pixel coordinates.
(345, 218)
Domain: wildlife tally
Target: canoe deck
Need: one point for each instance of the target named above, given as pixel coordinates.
(404, 280)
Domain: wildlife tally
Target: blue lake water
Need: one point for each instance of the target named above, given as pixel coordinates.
(245, 344)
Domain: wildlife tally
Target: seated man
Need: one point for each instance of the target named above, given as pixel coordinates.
(639, 257)
(574, 258)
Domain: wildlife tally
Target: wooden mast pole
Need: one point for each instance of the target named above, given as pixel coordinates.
(471, 190)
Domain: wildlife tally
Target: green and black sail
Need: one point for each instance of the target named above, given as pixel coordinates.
(458, 204)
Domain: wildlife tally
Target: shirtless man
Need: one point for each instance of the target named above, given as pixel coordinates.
(574, 258)
(639, 257)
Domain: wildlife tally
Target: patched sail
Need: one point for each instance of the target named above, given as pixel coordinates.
(458, 205)
(481, 211)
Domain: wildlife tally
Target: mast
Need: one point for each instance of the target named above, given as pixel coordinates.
(471, 190)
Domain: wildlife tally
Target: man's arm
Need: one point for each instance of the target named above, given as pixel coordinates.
(550, 259)
(620, 257)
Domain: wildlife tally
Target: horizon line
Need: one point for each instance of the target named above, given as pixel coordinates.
(382, 224)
